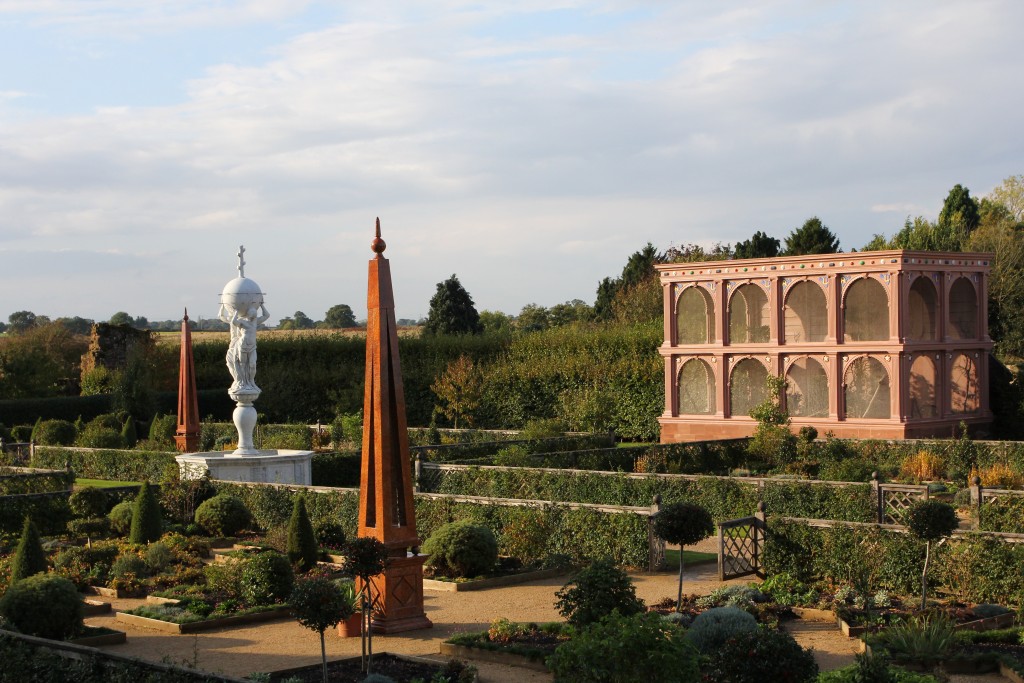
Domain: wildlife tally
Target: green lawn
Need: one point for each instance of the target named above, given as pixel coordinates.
(103, 483)
(690, 558)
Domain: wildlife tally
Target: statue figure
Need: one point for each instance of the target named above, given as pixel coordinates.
(241, 356)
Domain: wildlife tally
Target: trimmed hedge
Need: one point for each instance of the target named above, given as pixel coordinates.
(975, 568)
(337, 468)
(114, 464)
(455, 452)
(49, 510)
(1004, 514)
(723, 498)
(14, 483)
(532, 534)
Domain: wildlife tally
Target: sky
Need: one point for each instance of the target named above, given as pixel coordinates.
(528, 147)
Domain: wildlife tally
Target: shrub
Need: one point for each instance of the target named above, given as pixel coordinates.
(121, 517)
(101, 437)
(85, 566)
(159, 556)
(44, 605)
(55, 433)
(930, 521)
(330, 534)
(462, 549)
(147, 520)
(594, 592)
(302, 545)
(162, 428)
(90, 527)
(641, 648)
(712, 628)
(267, 579)
(90, 501)
(29, 558)
(760, 655)
(683, 524)
(222, 515)
(129, 565)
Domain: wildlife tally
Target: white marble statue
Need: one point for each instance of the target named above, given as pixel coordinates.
(241, 356)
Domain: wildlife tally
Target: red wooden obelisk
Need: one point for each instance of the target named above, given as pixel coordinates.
(186, 436)
(386, 509)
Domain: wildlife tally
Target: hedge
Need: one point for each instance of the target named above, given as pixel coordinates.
(49, 511)
(13, 482)
(972, 568)
(530, 533)
(1005, 514)
(340, 469)
(724, 498)
(214, 402)
(117, 465)
(457, 452)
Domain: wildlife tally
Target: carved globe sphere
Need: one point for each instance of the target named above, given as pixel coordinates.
(242, 294)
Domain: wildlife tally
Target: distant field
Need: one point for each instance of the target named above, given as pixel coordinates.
(203, 337)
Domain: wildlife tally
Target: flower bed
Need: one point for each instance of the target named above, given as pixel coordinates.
(401, 669)
(506, 642)
(95, 636)
(492, 581)
(176, 619)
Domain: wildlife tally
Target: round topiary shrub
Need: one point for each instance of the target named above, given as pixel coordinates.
(222, 515)
(594, 592)
(931, 520)
(461, 549)
(89, 501)
(712, 628)
(267, 579)
(330, 535)
(55, 433)
(101, 437)
(44, 605)
(121, 517)
(642, 648)
(760, 655)
(129, 564)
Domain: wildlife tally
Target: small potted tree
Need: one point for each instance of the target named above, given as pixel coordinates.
(320, 603)
(351, 626)
(930, 521)
(684, 524)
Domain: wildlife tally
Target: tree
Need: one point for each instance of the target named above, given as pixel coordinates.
(693, 253)
(339, 316)
(75, 325)
(1010, 194)
(29, 558)
(532, 318)
(452, 310)
(460, 390)
(813, 237)
(758, 246)
(495, 322)
(122, 318)
(42, 361)
(929, 521)
(319, 603)
(606, 289)
(301, 321)
(575, 311)
(147, 520)
(365, 558)
(1005, 284)
(960, 211)
(683, 524)
(302, 546)
(920, 235)
(20, 322)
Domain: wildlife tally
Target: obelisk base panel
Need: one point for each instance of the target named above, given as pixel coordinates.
(401, 589)
(187, 443)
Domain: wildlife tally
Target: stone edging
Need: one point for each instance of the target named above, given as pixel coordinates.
(205, 625)
(495, 582)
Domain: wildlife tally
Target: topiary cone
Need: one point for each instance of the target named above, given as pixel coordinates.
(29, 559)
(302, 545)
(147, 520)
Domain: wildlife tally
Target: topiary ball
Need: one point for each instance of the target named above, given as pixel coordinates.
(930, 520)
(267, 579)
(712, 628)
(461, 549)
(88, 502)
(222, 515)
(683, 523)
(44, 605)
(121, 517)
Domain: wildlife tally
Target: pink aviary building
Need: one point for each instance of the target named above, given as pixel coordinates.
(883, 344)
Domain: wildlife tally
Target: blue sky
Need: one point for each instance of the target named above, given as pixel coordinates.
(528, 147)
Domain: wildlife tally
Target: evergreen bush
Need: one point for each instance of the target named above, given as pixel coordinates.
(594, 592)
(55, 433)
(303, 549)
(267, 579)
(121, 517)
(29, 558)
(44, 605)
(101, 437)
(147, 519)
(642, 648)
(129, 565)
(330, 534)
(757, 655)
(711, 629)
(222, 515)
(683, 524)
(461, 549)
(88, 501)
(129, 433)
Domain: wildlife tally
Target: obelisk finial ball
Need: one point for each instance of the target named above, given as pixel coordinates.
(378, 245)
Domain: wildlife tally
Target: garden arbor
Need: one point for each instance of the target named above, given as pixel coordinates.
(887, 344)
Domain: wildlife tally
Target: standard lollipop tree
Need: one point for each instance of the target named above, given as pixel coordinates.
(684, 524)
(930, 521)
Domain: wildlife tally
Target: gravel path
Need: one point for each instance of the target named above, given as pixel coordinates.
(283, 644)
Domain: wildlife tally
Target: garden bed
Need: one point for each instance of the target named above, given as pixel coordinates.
(105, 592)
(459, 585)
(96, 636)
(195, 626)
(94, 608)
(493, 656)
(401, 669)
(511, 643)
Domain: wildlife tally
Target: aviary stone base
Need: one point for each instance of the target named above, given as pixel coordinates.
(266, 467)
